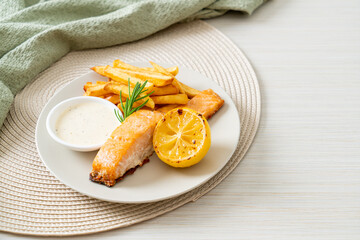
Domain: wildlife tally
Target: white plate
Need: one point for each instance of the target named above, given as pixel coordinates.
(155, 180)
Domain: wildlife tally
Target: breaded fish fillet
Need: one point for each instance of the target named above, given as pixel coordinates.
(131, 143)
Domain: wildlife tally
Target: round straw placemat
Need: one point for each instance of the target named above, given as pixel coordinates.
(34, 202)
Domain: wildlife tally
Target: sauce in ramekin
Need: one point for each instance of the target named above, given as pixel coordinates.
(86, 124)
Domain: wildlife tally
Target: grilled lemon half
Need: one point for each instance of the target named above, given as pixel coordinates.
(182, 137)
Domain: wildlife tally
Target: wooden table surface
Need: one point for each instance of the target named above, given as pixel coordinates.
(301, 177)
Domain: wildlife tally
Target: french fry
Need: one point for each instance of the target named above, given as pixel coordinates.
(167, 90)
(189, 91)
(120, 64)
(164, 71)
(87, 85)
(173, 70)
(99, 70)
(167, 108)
(115, 74)
(108, 95)
(90, 84)
(149, 69)
(171, 99)
(158, 79)
(115, 99)
(116, 88)
(96, 90)
(100, 82)
(159, 68)
(118, 75)
(176, 83)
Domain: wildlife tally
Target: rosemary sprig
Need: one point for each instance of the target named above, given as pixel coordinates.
(134, 96)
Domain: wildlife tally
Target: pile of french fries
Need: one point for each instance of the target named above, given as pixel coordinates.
(167, 90)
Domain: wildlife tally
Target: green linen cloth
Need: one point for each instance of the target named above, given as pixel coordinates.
(36, 33)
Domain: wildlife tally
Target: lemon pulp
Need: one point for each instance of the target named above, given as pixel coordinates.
(182, 137)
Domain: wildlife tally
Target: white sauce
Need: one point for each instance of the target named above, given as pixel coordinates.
(86, 124)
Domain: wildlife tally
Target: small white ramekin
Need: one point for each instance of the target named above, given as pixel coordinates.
(55, 113)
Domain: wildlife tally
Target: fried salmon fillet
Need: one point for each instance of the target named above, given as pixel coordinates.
(207, 103)
(128, 146)
(131, 143)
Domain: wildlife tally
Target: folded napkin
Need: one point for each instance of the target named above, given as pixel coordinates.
(36, 33)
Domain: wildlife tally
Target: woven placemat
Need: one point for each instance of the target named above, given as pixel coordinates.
(34, 202)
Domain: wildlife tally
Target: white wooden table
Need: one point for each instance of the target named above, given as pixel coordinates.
(301, 177)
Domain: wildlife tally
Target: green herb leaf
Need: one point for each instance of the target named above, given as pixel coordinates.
(134, 96)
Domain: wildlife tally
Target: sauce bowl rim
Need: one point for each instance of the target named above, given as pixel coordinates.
(75, 100)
